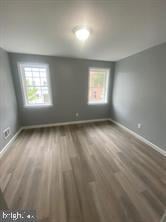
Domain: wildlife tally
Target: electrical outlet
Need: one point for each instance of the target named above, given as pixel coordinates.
(139, 125)
(6, 133)
(77, 114)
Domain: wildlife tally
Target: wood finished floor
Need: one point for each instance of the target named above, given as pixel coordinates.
(84, 173)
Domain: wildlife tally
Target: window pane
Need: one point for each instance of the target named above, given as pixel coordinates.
(45, 90)
(43, 74)
(45, 94)
(43, 70)
(29, 81)
(35, 85)
(36, 74)
(28, 74)
(98, 80)
(27, 69)
(36, 81)
(35, 70)
(43, 81)
(96, 94)
(32, 94)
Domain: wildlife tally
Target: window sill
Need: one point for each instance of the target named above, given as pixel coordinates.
(37, 106)
(99, 103)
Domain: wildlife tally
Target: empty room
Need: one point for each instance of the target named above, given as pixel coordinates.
(83, 110)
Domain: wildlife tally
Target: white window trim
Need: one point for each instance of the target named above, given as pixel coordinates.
(20, 66)
(107, 86)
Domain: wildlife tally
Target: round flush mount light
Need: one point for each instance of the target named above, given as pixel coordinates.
(82, 33)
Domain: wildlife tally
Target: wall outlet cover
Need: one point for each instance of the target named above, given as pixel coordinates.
(77, 114)
(139, 125)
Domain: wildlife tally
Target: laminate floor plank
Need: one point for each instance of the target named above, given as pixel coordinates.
(94, 172)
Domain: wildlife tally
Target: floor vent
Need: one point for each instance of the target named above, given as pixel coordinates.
(6, 133)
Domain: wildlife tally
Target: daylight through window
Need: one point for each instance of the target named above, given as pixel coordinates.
(98, 85)
(35, 84)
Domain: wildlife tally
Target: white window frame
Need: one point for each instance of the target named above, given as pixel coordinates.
(23, 87)
(106, 88)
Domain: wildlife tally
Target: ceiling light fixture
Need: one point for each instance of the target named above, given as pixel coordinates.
(82, 33)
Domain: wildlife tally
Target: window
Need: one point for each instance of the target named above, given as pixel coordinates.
(35, 84)
(98, 86)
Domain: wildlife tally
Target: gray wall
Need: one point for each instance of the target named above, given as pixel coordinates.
(139, 94)
(8, 104)
(69, 80)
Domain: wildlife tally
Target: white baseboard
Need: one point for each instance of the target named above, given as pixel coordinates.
(140, 137)
(81, 122)
(64, 123)
(4, 149)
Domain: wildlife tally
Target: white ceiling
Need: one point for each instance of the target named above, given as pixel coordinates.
(120, 27)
